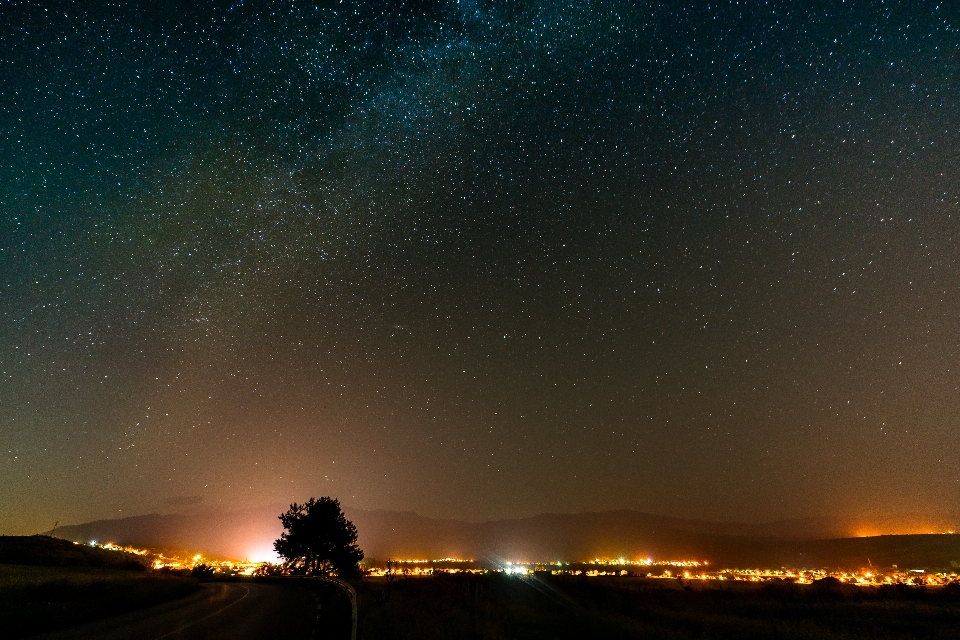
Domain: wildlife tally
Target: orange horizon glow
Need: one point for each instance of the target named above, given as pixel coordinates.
(263, 554)
(869, 531)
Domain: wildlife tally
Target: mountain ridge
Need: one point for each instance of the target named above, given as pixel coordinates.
(249, 533)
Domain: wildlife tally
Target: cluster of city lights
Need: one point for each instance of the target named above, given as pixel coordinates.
(864, 578)
(109, 546)
(649, 562)
(441, 560)
(684, 570)
(597, 567)
(177, 562)
(422, 567)
(420, 571)
(670, 569)
(225, 567)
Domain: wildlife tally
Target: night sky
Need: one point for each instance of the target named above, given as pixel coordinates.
(480, 259)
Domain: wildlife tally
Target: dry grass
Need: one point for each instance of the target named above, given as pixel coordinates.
(35, 599)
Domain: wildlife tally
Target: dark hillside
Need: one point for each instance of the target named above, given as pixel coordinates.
(917, 551)
(54, 552)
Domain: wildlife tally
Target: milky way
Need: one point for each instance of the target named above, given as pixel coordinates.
(479, 259)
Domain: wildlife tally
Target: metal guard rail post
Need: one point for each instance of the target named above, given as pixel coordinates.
(351, 593)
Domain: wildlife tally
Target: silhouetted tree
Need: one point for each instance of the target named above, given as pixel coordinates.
(265, 569)
(202, 571)
(318, 538)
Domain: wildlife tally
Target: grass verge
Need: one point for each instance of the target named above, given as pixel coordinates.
(36, 599)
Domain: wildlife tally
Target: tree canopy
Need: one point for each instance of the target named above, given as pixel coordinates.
(318, 539)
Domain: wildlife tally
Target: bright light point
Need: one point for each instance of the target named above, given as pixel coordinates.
(264, 554)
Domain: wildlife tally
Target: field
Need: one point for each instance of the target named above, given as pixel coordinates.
(500, 607)
(34, 599)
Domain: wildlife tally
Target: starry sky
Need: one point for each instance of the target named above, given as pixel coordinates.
(479, 259)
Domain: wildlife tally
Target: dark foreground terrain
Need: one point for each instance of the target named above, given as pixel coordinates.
(118, 609)
(496, 606)
(34, 599)
(47, 584)
(218, 611)
(502, 607)
(63, 590)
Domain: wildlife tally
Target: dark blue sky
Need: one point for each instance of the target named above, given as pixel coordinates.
(479, 259)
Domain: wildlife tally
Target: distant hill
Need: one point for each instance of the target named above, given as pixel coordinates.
(229, 534)
(914, 551)
(54, 552)
(570, 537)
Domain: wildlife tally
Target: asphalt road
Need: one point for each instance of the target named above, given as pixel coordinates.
(220, 610)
